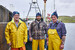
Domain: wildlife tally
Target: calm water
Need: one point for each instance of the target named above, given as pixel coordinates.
(70, 38)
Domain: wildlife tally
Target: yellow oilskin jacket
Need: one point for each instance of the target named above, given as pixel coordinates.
(16, 35)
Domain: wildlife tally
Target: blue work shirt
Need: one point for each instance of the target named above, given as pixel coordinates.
(60, 28)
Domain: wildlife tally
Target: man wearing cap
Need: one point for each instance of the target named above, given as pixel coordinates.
(56, 33)
(37, 32)
(16, 33)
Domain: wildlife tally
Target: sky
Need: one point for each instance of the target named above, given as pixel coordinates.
(63, 7)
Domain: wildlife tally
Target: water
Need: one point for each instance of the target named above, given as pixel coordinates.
(70, 38)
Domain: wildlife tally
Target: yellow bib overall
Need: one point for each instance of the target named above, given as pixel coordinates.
(54, 41)
(35, 44)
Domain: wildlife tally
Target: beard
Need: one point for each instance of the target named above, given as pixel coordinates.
(38, 19)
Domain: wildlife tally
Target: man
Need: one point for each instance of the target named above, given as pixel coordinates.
(56, 33)
(37, 33)
(16, 33)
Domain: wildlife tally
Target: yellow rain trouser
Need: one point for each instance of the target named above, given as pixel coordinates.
(36, 42)
(54, 41)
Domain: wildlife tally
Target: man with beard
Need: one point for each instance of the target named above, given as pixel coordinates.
(37, 32)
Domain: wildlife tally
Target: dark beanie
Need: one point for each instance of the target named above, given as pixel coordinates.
(38, 14)
(15, 12)
(55, 13)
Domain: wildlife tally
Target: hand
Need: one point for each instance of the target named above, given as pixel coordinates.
(47, 39)
(24, 42)
(30, 38)
(62, 46)
(9, 44)
(47, 42)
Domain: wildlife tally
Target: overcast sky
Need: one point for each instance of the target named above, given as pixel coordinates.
(63, 7)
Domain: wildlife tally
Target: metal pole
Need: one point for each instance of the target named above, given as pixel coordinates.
(29, 10)
(38, 8)
(44, 9)
(54, 4)
(42, 13)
